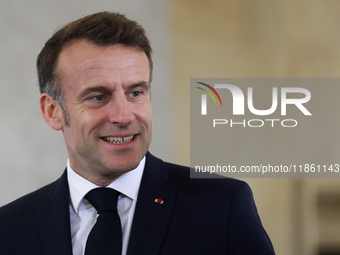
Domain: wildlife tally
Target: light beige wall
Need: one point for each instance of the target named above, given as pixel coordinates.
(254, 39)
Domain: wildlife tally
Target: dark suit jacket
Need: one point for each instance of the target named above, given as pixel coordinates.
(198, 216)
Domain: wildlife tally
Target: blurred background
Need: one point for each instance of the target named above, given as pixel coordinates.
(191, 39)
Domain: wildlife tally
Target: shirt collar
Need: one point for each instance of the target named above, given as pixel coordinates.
(127, 184)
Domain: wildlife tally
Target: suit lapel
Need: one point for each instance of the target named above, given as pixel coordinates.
(151, 219)
(54, 220)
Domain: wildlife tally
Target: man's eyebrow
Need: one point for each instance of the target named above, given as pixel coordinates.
(89, 90)
(105, 89)
(142, 84)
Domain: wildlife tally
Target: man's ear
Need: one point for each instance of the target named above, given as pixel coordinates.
(51, 111)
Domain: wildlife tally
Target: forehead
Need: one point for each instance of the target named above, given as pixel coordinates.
(84, 58)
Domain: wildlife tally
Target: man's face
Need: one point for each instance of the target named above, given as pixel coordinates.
(107, 97)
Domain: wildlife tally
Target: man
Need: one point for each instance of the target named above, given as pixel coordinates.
(94, 76)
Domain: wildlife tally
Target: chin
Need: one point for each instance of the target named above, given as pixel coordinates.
(124, 167)
(123, 163)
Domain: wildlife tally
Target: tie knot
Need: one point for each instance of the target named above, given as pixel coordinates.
(103, 199)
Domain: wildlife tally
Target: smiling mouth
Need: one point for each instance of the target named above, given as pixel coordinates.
(118, 140)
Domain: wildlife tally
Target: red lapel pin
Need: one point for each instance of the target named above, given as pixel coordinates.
(159, 201)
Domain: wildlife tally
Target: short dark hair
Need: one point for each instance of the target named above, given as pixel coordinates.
(102, 29)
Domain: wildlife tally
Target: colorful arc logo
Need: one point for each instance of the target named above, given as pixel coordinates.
(204, 97)
(207, 91)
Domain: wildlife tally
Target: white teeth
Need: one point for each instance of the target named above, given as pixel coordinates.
(118, 140)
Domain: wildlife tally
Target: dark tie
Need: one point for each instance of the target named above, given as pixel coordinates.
(105, 237)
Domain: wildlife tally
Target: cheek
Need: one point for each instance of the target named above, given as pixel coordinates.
(151, 121)
(92, 117)
(143, 111)
(145, 115)
(86, 123)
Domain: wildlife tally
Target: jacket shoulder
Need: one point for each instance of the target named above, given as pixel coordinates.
(32, 201)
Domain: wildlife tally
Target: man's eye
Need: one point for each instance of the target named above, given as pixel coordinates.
(135, 93)
(98, 98)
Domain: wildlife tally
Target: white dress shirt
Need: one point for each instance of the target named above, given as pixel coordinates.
(83, 215)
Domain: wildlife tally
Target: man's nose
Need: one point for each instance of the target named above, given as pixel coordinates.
(121, 111)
